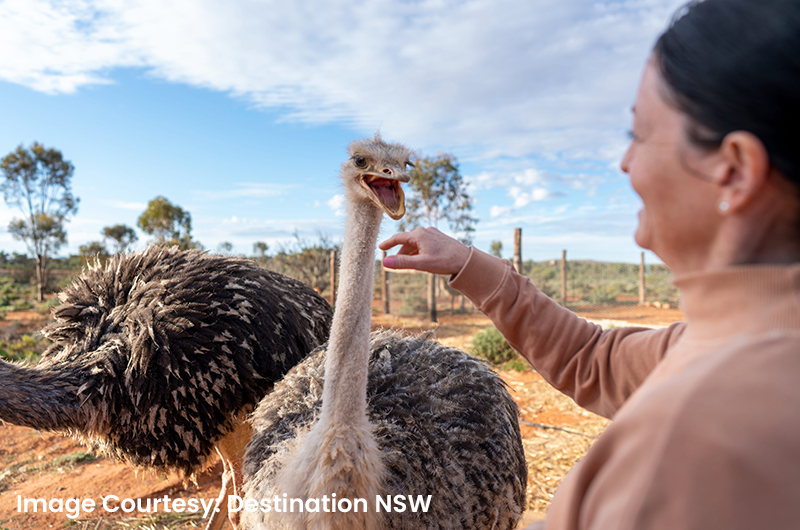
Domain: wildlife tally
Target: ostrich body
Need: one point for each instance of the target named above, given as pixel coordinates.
(158, 356)
(384, 414)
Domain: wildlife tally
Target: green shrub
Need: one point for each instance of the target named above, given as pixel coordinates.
(21, 304)
(9, 293)
(74, 458)
(489, 344)
(27, 348)
(518, 364)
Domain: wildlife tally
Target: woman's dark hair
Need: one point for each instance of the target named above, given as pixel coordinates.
(734, 65)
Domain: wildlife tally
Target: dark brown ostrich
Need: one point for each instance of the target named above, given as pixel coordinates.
(158, 357)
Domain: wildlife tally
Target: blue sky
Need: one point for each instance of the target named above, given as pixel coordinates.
(241, 111)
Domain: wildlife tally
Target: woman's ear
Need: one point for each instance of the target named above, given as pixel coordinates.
(743, 169)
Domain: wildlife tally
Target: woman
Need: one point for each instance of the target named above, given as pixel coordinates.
(706, 433)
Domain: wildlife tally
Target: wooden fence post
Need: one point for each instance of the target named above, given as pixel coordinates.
(564, 278)
(333, 278)
(385, 286)
(641, 281)
(432, 296)
(518, 250)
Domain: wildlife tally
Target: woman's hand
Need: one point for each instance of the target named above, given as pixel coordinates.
(427, 250)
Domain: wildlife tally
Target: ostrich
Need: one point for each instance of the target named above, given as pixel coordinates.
(158, 357)
(396, 414)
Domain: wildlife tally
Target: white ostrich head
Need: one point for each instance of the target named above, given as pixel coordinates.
(374, 172)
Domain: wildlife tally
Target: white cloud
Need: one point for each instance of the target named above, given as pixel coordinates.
(525, 186)
(527, 177)
(243, 232)
(6, 215)
(499, 211)
(494, 78)
(483, 180)
(336, 203)
(523, 198)
(586, 183)
(530, 177)
(247, 190)
(60, 46)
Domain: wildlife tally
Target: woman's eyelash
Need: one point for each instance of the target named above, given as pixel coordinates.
(632, 135)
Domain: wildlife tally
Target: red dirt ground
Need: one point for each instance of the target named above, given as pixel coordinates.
(49, 465)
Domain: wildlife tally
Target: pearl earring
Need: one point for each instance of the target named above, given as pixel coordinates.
(723, 206)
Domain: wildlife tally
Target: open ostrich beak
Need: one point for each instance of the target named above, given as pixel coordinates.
(386, 192)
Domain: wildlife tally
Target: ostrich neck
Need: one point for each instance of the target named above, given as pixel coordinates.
(344, 397)
(41, 399)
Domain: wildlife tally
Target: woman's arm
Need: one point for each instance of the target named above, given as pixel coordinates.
(598, 369)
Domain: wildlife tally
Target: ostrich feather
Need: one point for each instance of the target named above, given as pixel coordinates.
(445, 424)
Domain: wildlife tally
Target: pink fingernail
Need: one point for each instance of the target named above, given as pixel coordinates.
(388, 262)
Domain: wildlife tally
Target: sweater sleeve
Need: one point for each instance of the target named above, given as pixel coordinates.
(598, 369)
(712, 446)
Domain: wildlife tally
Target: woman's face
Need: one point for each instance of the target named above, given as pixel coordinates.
(679, 219)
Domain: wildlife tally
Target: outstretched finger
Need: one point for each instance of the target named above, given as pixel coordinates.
(397, 239)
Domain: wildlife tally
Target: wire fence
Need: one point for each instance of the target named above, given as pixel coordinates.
(636, 293)
(628, 292)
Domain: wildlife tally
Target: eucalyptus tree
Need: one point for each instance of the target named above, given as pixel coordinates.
(260, 251)
(437, 191)
(38, 182)
(93, 251)
(168, 223)
(122, 235)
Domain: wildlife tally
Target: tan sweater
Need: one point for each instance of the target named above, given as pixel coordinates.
(706, 430)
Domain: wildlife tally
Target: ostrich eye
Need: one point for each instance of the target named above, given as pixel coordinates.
(409, 164)
(360, 161)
